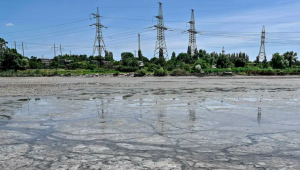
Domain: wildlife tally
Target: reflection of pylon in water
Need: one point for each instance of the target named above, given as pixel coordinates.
(259, 115)
(161, 122)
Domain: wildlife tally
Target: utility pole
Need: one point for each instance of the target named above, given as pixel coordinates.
(70, 53)
(262, 50)
(160, 42)
(99, 36)
(193, 32)
(139, 42)
(135, 53)
(19, 46)
(23, 48)
(54, 49)
(61, 50)
(223, 51)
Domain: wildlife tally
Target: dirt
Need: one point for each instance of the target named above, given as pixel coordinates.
(150, 123)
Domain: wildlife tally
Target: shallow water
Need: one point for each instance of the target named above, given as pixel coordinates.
(151, 129)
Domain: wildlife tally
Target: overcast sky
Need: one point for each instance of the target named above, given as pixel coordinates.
(234, 24)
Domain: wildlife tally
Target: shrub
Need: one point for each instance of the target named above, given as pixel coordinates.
(126, 69)
(93, 66)
(178, 72)
(140, 73)
(153, 67)
(186, 67)
(160, 72)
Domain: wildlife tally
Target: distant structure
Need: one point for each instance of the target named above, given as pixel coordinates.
(99, 37)
(223, 51)
(139, 42)
(54, 49)
(193, 32)
(160, 42)
(262, 51)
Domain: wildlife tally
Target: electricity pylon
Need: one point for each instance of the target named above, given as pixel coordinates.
(262, 51)
(193, 32)
(99, 36)
(161, 41)
(223, 51)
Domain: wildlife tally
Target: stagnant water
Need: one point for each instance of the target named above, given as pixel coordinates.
(151, 130)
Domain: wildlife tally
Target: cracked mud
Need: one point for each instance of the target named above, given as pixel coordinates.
(149, 123)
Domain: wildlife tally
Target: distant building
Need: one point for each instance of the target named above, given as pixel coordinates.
(141, 64)
(65, 62)
(46, 62)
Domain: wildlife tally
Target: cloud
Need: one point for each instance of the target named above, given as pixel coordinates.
(9, 24)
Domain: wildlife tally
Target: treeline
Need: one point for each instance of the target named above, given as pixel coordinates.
(201, 61)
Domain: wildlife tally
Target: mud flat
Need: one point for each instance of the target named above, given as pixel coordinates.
(150, 123)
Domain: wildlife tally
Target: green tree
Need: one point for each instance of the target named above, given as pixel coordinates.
(128, 59)
(161, 59)
(291, 57)
(196, 55)
(11, 60)
(35, 63)
(223, 62)
(173, 57)
(279, 62)
(140, 55)
(184, 57)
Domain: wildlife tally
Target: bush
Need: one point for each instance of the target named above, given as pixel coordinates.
(202, 63)
(93, 67)
(178, 72)
(153, 67)
(160, 72)
(186, 67)
(126, 69)
(140, 73)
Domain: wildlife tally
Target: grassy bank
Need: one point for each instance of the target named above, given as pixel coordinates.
(80, 72)
(53, 72)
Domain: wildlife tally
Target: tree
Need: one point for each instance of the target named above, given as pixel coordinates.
(11, 60)
(223, 62)
(291, 57)
(195, 56)
(184, 57)
(161, 59)
(128, 59)
(173, 57)
(202, 63)
(279, 62)
(35, 63)
(140, 55)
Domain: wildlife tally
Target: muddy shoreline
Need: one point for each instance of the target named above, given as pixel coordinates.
(238, 122)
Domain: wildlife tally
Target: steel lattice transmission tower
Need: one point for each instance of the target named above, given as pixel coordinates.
(223, 50)
(99, 36)
(262, 51)
(161, 41)
(193, 32)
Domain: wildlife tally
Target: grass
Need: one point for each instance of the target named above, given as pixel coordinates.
(53, 72)
(256, 71)
(79, 72)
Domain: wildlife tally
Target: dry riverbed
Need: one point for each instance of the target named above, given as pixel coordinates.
(150, 123)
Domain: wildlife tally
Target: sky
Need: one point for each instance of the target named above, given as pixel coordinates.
(234, 24)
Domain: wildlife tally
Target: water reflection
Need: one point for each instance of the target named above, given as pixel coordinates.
(192, 117)
(161, 122)
(259, 115)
